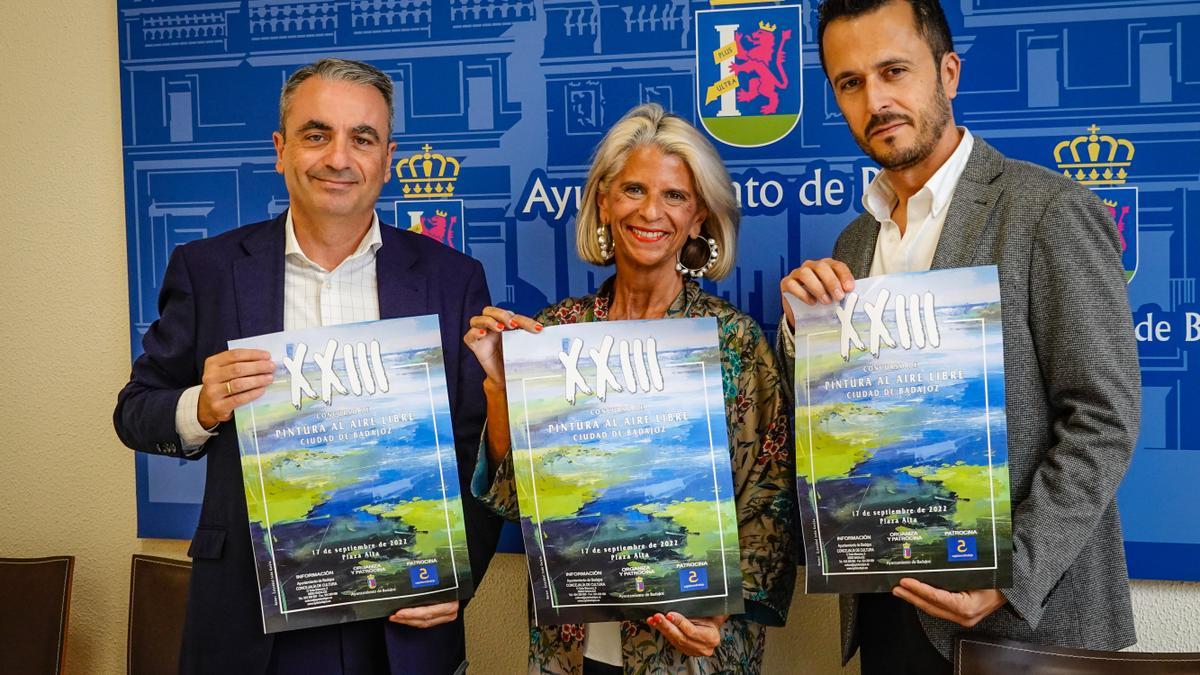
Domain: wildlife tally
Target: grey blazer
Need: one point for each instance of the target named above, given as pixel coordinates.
(1073, 392)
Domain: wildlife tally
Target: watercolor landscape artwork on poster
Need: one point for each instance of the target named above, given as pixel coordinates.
(901, 446)
(621, 456)
(350, 474)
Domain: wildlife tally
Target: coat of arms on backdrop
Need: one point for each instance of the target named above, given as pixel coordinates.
(748, 68)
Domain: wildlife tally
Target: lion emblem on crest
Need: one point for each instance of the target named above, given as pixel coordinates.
(439, 227)
(755, 54)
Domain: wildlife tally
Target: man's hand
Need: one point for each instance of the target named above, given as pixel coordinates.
(231, 379)
(965, 608)
(822, 281)
(695, 637)
(427, 616)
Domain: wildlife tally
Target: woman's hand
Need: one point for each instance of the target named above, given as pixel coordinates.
(694, 637)
(484, 338)
(426, 616)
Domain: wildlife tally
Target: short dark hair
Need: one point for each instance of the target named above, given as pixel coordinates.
(336, 70)
(931, 22)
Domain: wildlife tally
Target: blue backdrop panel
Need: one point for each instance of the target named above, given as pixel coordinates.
(507, 98)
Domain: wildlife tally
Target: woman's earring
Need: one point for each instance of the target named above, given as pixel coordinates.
(713, 253)
(606, 251)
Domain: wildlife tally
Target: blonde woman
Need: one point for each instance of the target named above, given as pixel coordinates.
(659, 208)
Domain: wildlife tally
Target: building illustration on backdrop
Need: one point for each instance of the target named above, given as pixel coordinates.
(499, 104)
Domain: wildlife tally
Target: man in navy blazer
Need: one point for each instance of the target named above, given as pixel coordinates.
(326, 261)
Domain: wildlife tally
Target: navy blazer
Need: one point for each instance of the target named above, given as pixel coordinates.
(231, 286)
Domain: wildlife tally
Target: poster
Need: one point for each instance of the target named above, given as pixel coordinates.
(901, 446)
(621, 456)
(350, 474)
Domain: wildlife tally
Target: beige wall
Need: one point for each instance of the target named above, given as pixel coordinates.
(66, 483)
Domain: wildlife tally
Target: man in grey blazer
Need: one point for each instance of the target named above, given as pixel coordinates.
(946, 199)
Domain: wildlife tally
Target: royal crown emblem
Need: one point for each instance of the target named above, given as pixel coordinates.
(427, 174)
(1103, 161)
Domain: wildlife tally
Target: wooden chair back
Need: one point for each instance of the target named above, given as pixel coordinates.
(35, 603)
(982, 655)
(158, 589)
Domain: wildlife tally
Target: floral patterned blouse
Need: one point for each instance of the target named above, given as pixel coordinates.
(763, 479)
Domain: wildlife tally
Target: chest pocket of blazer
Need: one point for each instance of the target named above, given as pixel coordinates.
(208, 543)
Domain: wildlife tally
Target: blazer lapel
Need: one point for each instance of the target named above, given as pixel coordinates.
(258, 281)
(861, 249)
(402, 283)
(970, 210)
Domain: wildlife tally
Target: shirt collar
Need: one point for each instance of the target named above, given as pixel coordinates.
(879, 198)
(945, 179)
(370, 243)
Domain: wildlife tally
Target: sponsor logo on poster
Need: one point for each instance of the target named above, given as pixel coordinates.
(961, 549)
(423, 575)
(693, 579)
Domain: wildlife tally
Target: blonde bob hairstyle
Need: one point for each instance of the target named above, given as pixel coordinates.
(649, 124)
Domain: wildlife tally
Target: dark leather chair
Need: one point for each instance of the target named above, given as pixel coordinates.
(982, 655)
(35, 601)
(157, 600)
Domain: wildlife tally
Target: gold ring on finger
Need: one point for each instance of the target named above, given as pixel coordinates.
(228, 388)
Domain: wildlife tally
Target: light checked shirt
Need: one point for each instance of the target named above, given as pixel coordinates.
(312, 297)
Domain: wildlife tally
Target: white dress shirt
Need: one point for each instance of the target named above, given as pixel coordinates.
(926, 216)
(312, 297)
(913, 252)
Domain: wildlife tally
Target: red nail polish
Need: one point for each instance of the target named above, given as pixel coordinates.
(499, 326)
(483, 331)
(670, 616)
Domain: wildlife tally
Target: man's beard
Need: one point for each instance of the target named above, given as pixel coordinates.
(932, 121)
